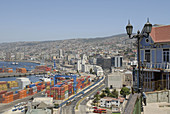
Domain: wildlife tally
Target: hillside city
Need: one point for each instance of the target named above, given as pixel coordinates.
(94, 75)
(84, 57)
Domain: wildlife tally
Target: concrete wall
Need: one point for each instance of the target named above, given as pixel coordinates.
(158, 96)
(115, 79)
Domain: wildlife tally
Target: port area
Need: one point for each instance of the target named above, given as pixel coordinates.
(5, 75)
(6, 108)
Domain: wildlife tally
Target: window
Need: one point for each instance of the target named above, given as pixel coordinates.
(147, 55)
(165, 55)
(113, 61)
(111, 87)
(120, 61)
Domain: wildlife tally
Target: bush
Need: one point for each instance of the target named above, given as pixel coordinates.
(125, 91)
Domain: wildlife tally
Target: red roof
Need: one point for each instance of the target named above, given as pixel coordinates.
(160, 34)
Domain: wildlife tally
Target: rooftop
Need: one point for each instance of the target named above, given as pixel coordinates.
(115, 99)
(160, 33)
(46, 100)
(39, 111)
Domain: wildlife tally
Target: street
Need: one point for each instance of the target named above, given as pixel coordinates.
(70, 109)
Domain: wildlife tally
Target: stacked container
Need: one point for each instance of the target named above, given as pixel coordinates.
(7, 97)
(48, 93)
(8, 70)
(38, 88)
(2, 94)
(12, 84)
(1, 70)
(29, 91)
(21, 70)
(47, 85)
(65, 90)
(61, 93)
(70, 89)
(54, 92)
(3, 86)
(15, 96)
(52, 83)
(79, 85)
(22, 94)
(34, 89)
(43, 87)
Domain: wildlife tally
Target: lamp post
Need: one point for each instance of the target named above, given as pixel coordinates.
(133, 65)
(143, 66)
(146, 31)
(144, 34)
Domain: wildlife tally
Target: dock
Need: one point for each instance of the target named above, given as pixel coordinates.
(5, 75)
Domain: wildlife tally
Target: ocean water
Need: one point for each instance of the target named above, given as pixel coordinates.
(29, 66)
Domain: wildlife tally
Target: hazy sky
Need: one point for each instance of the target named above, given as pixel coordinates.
(35, 20)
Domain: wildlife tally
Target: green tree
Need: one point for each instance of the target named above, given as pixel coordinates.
(91, 71)
(125, 91)
(107, 91)
(96, 98)
(114, 94)
(103, 94)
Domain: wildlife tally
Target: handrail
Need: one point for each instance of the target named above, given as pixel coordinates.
(158, 65)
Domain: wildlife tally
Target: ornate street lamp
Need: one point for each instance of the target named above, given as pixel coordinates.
(148, 27)
(146, 31)
(129, 29)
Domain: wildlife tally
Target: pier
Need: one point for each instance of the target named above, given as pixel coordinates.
(5, 75)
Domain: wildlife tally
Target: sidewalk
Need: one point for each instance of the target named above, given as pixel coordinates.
(157, 108)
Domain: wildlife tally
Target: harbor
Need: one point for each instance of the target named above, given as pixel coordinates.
(5, 75)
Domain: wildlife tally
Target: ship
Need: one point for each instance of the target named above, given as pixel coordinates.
(14, 63)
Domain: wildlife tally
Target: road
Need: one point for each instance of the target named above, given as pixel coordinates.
(83, 107)
(70, 109)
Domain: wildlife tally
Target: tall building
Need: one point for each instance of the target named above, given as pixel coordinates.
(8, 56)
(78, 65)
(105, 63)
(60, 53)
(117, 61)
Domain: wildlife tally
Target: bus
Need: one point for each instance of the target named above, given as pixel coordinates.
(100, 110)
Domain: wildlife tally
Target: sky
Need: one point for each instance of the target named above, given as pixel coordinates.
(42, 20)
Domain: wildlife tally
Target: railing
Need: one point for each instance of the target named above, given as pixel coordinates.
(133, 105)
(157, 65)
(156, 85)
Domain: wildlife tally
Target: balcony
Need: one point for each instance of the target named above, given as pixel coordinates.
(158, 66)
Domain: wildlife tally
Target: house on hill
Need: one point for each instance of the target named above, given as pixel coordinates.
(155, 58)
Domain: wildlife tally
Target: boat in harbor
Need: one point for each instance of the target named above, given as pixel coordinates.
(14, 63)
(45, 79)
(39, 75)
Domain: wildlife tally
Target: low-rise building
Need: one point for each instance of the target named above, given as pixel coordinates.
(115, 80)
(109, 102)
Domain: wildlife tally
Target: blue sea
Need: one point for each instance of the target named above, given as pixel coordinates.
(28, 65)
